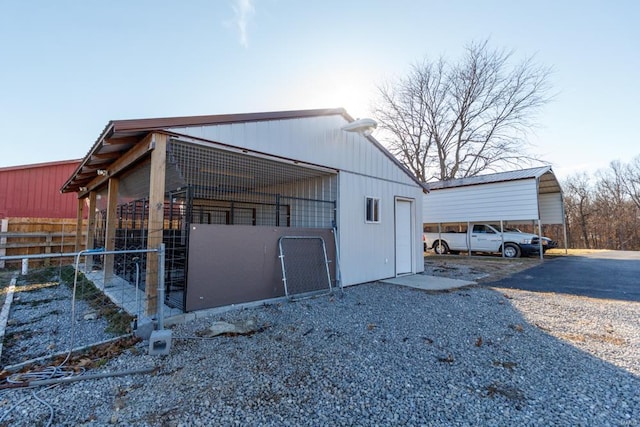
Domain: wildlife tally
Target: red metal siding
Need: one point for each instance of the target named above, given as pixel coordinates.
(34, 191)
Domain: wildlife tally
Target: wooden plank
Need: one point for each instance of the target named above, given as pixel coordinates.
(4, 226)
(156, 217)
(35, 245)
(33, 234)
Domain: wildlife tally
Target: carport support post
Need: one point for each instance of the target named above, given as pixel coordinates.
(502, 236)
(156, 218)
(469, 237)
(540, 239)
(440, 236)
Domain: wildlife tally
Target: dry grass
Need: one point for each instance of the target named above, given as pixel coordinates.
(574, 252)
(480, 268)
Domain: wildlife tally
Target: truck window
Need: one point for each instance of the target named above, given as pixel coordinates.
(481, 228)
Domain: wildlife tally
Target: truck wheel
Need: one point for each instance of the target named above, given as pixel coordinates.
(440, 247)
(511, 250)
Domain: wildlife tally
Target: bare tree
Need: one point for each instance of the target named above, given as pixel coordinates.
(603, 212)
(579, 205)
(610, 198)
(631, 180)
(448, 120)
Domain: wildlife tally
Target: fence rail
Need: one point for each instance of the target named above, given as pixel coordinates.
(64, 239)
(27, 236)
(30, 243)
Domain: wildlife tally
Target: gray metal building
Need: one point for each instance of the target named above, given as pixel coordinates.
(221, 190)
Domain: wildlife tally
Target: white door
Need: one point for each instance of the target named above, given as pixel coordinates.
(404, 239)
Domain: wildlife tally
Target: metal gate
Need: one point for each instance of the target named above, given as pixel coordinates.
(305, 267)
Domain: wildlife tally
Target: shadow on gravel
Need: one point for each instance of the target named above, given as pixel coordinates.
(590, 276)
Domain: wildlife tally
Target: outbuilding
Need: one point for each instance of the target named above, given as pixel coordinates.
(224, 192)
(527, 196)
(34, 217)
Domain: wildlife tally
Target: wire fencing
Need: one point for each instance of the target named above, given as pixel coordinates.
(76, 301)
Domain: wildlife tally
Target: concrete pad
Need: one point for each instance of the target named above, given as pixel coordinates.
(428, 283)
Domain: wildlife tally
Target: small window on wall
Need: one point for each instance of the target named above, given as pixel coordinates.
(372, 209)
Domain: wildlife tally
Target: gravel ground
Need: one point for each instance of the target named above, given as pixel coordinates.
(39, 323)
(379, 355)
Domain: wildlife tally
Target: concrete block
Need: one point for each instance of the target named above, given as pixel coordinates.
(160, 342)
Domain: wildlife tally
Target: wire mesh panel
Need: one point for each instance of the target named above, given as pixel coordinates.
(239, 189)
(305, 268)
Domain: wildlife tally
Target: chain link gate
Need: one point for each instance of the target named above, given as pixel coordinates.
(305, 267)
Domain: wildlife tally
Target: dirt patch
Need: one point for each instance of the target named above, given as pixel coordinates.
(481, 269)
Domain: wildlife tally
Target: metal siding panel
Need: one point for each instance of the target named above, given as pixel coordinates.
(368, 250)
(34, 192)
(513, 200)
(551, 211)
(316, 140)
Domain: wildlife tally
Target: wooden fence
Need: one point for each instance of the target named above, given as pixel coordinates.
(28, 236)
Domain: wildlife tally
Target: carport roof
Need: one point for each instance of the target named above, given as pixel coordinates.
(548, 182)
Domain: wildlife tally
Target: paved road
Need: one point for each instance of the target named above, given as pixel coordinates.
(612, 274)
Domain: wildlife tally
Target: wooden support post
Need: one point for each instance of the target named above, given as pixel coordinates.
(79, 216)
(156, 218)
(112, 221)
(91, 228)
(47, 249)
(4, 227)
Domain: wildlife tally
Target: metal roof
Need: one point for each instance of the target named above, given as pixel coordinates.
(119, 136)
(40, 165)
(548, 182)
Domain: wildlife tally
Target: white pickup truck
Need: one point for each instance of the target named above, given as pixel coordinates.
(484, 238)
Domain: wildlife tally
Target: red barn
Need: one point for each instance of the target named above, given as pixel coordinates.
(33, 191)
(35, 217)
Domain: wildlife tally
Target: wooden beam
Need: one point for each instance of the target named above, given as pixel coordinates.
(105, 156)
(120, 141)
(79, 216)
(156, 218)
(91, 228)
(112, 223)
(127, 159)
(4, 227)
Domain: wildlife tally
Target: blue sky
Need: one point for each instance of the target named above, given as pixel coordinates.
(68, 67)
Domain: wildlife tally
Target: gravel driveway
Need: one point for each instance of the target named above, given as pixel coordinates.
(379, 355)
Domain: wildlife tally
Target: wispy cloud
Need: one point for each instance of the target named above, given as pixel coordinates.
(243, 9)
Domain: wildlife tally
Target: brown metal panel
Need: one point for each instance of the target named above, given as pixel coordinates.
(235, 264)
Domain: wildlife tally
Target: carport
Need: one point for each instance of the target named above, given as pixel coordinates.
(528, 196)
